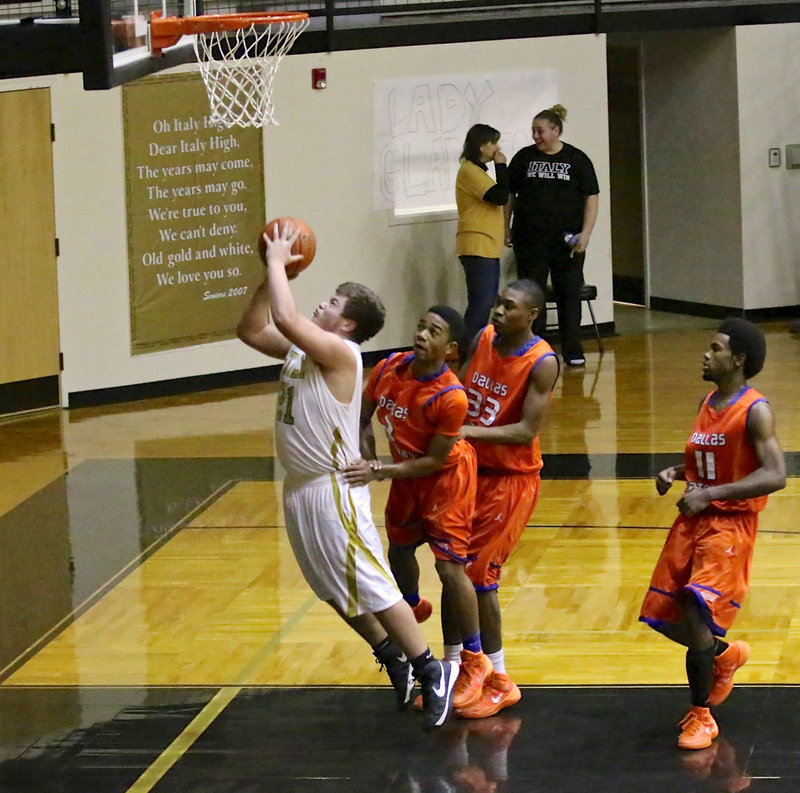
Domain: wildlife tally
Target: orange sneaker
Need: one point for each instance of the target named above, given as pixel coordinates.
(725, 667)
(475, 668)
(499, 691)
(423, 610)
(698, 729)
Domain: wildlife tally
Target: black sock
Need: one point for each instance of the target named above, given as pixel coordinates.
(419, 663)
(700, 673)
(380, 648)
(720, 647)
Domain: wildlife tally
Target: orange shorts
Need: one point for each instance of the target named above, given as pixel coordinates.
(503, 505)
(706, 555)
(436, 509)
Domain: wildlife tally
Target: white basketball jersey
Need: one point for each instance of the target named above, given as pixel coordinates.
(314, 433)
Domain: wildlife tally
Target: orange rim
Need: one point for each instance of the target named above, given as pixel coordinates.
(167, 31)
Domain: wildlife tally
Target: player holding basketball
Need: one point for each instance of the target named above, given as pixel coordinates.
(329, 522)
(510, 375)
(422, 405)
(732, 461)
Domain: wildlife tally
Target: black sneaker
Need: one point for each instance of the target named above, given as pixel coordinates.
(401, 675)
(438, 679)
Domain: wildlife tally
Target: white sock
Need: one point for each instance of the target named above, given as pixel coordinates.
(452, 652)
(498, 661)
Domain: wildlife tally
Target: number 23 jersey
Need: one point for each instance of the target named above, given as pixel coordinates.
(496, 388)
(720, 451)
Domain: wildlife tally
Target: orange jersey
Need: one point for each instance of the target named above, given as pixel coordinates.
(497, 387)
(412, 410)
(719, 450)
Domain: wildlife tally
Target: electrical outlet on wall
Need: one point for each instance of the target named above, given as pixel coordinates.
(775, 158)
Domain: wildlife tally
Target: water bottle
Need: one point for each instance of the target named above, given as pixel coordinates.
(571, 239)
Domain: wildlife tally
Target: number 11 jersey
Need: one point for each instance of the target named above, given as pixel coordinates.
(720, 451)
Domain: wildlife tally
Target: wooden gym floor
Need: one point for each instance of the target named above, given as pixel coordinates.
(156, 634)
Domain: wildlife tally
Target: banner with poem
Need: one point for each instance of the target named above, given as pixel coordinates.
(195, 206)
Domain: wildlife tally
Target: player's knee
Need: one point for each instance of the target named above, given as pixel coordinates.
(449, 570)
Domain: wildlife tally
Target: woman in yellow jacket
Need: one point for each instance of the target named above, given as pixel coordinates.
(480, 238)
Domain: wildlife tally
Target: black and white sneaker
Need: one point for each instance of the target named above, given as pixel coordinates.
(401, 675)
(438, 679)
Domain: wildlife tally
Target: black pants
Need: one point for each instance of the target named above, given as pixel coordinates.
(538, 259)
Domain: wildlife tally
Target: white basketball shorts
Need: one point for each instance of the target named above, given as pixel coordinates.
(336, 545)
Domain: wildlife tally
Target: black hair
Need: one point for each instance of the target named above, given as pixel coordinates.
(532, 291)
(454, 320)
(364, 307)
(477, 135)
(746, 339)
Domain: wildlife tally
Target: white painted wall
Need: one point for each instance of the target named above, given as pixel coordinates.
(768, 73)
(318, 166)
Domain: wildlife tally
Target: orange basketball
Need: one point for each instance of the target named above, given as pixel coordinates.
(305, 245)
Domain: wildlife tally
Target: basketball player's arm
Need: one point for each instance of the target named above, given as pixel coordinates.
(367, 433)
(473, 345)
(328, 349)
(257, 331)
(767, 478)
(669, 475)
(363, 472)
(541, 383)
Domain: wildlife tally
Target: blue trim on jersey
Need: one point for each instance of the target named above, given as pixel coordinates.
(385, 364)
(522, 350)
(486, 587)
(662, 592)
(763, 399)
(428, 377)
(742, 391)
(443, 392)
(703, 586)
(546, 355)
(713, 627)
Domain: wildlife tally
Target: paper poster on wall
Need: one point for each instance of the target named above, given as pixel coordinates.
(421, 123)
(195, 205)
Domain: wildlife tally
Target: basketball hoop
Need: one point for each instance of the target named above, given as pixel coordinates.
(238, 55)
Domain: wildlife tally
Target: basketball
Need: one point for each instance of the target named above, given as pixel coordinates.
(305, 245)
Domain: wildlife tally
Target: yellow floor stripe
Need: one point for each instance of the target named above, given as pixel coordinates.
(200, 723)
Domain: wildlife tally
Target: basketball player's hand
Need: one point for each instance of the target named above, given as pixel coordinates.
(361, 472)
(664, 480)
(279, 246)
(694, 501)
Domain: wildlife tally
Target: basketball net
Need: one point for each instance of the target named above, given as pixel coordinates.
(238, 68)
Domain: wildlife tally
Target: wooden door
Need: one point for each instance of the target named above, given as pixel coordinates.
(29, 337)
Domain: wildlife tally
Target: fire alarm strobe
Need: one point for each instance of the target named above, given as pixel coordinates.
(319, 79)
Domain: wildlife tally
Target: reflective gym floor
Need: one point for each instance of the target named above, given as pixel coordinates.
(156, 634)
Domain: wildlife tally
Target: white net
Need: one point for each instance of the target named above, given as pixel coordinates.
(239, 66)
